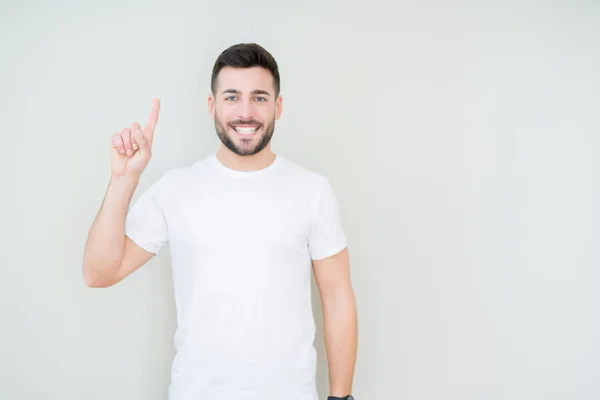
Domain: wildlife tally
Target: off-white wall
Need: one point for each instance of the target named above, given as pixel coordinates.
(462, 139)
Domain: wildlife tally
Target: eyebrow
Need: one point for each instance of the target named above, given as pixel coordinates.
(257, 91)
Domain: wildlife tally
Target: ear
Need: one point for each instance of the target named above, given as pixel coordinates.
(211, 105)
(278, 107)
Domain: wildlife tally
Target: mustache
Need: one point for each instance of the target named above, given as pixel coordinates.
(245, 122)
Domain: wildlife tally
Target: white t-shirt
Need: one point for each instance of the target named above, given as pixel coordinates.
(241, 245)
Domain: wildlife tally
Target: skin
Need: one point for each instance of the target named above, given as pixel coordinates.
(340, 325)
(245, 95)
(242, 97)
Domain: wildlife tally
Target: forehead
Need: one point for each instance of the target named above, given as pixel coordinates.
(245, 79)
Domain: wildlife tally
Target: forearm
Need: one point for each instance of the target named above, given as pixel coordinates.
(104, 246)
(341, 340)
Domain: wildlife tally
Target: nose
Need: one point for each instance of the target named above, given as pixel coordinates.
(245, 111)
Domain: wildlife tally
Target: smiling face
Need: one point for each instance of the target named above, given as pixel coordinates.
(244, 106)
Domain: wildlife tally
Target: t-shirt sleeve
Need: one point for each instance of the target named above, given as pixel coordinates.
(327, 235)
(146, 222)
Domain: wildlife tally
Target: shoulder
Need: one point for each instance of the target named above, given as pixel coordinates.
(173, 181)
(306, 177)
(185, 174)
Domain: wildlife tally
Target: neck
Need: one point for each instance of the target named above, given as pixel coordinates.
(246, 163)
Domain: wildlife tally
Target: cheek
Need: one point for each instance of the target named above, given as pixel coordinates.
(223, 114)
(266, 114)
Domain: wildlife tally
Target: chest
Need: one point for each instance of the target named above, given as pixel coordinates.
(247, 219)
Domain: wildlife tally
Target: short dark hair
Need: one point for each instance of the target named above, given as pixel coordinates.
(246, 55)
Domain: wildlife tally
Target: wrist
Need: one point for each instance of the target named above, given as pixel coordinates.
(124, 178)
(120, 191)
(123, 183)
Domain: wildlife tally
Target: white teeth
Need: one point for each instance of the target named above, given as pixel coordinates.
(246, 130)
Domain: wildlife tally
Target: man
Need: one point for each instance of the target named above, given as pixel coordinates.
(245, 228)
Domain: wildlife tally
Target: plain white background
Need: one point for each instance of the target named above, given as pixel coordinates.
(461, 138)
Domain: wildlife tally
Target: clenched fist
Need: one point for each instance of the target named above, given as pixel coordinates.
(131, 148)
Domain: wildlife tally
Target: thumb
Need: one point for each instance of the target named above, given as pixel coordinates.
(143, 143)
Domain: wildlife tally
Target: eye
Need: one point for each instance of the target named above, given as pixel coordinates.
(230, 98)
(261, 99)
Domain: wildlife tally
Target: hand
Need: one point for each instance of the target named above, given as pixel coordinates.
(131, 149)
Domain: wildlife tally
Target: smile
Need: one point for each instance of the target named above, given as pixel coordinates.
(245, 130)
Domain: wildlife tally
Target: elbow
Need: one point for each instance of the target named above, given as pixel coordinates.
(93, 278)
(95, 283)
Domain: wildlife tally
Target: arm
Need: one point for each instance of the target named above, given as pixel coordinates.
(110, 255)
(340, 320)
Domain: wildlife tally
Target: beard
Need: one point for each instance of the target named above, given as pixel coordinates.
(247, 147)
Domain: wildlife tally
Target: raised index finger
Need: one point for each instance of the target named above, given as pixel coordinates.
(153, 118)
